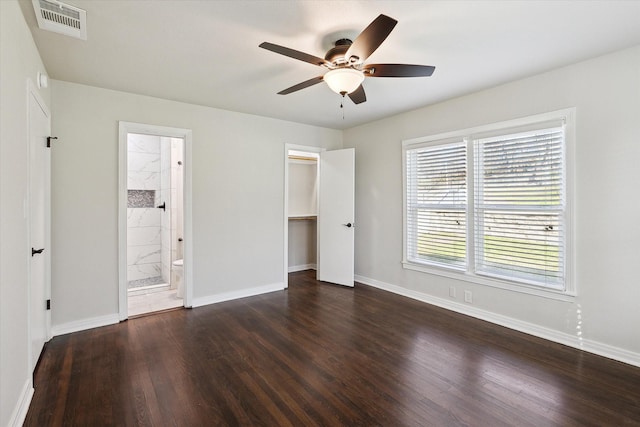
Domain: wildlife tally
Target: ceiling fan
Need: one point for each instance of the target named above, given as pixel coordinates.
(345, 62)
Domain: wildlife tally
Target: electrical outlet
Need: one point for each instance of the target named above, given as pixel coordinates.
(468, 297)
(452, 291)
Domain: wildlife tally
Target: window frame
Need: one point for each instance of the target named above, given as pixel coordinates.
(469, 135)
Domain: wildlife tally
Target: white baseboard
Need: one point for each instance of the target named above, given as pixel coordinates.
(22, 407)
(294, 268)
(84, 324)
(611, 352)
(590, 346)
(243, 293)
(112, 319)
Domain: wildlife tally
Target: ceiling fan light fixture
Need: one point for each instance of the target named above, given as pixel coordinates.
(344, 80)
(347, 62)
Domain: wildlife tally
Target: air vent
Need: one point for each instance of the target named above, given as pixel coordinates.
(61, 18)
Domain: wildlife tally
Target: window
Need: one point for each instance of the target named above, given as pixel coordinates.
(490, 203)
(437, 204)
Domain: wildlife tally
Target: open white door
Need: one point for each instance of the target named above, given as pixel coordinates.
(39, 181)
(336, 215)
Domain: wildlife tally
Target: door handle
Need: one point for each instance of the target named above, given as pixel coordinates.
(36, 251)
(348, 225)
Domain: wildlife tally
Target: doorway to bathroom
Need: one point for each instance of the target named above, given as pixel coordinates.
(154, 219)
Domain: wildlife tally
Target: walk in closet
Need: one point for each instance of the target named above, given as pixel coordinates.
(302, 210)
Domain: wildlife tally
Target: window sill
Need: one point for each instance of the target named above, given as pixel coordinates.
(494, 283)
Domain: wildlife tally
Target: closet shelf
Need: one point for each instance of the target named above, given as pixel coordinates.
(304, 159)
(309, 217)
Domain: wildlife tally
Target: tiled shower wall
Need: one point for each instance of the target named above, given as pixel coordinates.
(176, 202)
(165, 217)
(144, 219)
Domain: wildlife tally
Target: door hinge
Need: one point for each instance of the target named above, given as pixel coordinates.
(48, 304)
(49, 138)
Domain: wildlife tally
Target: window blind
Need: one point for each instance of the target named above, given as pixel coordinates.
(519, 205)
(436, 204)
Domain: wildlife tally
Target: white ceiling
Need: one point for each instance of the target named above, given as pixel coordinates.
(206, 52)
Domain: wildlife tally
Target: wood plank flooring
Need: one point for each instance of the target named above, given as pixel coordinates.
(320, 354)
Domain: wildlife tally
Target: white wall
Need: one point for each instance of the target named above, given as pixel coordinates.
(238, 190)
(606, 94)
(302, 248)
(303, 188)
(19, 61)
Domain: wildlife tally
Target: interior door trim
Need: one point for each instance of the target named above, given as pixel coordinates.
(125, 128)
(285, 212)
(33, 93)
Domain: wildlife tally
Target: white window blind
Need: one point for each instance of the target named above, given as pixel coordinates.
(436, 204)
(491, 204)
(519, 206)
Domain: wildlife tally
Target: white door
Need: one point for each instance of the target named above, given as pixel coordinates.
(39, 127)
(336, 215)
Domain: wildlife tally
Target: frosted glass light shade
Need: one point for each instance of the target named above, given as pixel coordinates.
(344, 80)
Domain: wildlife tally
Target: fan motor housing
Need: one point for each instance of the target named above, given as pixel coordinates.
(336, 54)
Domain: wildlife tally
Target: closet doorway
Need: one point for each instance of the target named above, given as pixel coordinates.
(154, 219)
(302, 212)
(319, 213)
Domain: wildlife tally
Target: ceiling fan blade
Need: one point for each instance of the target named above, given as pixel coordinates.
(398, 70)
(292, 53)
(371, 38)
(358, 96)
(302, 85)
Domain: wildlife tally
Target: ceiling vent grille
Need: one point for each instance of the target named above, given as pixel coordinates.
(62, 18)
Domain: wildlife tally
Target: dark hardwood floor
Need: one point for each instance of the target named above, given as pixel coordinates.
(320, 354)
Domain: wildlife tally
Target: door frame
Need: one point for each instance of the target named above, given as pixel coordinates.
(124, 128)
(296, 147)
(32, 92)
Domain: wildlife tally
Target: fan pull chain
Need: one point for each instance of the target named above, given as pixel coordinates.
(342, 106)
